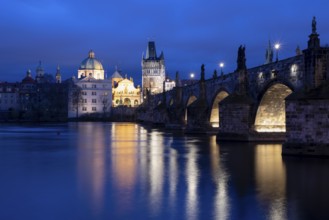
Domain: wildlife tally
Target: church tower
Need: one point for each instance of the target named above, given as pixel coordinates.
(153, 71)
(269, 53)
(58, 75)
(40, 73)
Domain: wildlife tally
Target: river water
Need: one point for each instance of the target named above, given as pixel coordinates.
(127, 171)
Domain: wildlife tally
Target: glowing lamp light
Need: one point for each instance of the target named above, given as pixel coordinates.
(192, 75)
(221, 65)
(277, 46)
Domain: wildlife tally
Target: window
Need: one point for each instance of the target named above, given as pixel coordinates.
(84, 93)
(93, 109)
(84, 101)
(93, 93)
(294, 69)
(94, 101)
(93, 86)
(84, 109)
(84, 86)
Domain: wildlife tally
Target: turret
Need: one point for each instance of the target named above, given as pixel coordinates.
(269, 54)
(58, 76)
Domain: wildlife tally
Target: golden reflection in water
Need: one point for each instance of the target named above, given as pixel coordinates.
(91, 162)
(156, 170)
(123, 155)
(271, 179)
(192, 175)
(221, 202)
(173, 177)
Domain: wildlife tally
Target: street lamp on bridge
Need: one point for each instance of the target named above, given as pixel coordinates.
(221, 65)
(277, 47)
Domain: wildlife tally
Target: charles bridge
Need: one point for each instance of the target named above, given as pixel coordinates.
(285, 100)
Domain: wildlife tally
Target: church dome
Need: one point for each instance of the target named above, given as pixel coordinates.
(91, 63)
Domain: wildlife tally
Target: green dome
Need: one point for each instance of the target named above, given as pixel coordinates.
(91, 63)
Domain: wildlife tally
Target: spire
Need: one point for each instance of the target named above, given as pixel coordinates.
(58, 75)
(202, 73)
(298, 51)
(39, 73)
(269, 53)
(151, 51)
(314, 25)
(161, 56)
(91, 54)
(39, 69)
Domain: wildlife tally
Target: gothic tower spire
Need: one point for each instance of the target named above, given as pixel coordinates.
(269, 53)
(58, 75)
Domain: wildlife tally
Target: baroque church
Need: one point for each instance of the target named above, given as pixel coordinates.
(92, 93)
(124, 92)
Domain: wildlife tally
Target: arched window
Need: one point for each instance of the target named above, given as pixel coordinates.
(127, 102)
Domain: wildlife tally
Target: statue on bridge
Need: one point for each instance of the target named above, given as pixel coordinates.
(202, 72)
(214, 76)
(241, 61)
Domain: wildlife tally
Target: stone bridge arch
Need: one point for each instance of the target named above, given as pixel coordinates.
(214, 108)
(269, 114)
(189, 101)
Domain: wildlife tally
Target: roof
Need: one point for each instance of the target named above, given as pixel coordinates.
(116, 74)
(91, 63)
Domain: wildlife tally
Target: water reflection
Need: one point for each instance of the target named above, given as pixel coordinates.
(126, 171)
(307, 181)
(192, 180)
(220, 177)
(91, 161)
(123, 155)
(156, 170)
(173, 177)
(271, 179)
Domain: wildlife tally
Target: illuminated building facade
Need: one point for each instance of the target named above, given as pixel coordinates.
(124, 92)
(153, 71)
(169, 84)
(91, 92)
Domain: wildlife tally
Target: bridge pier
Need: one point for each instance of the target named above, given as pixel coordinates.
(235, 118)
(307, 123)
(197, 114)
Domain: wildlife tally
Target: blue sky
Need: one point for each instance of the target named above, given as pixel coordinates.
(188, 32)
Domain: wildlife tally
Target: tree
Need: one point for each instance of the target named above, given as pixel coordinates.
(104, 99)
(75, 97)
